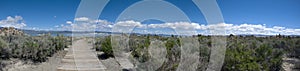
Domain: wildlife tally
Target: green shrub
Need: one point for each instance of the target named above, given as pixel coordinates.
(105, 46)
(34, 48)
(4, 51)
(246, 56)
(243, 53)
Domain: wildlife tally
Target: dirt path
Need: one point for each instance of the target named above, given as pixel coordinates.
(81, 57)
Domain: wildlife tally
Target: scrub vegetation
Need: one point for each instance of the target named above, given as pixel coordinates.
(36, 49)
(243, 53)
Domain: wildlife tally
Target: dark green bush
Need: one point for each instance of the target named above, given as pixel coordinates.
(104, 45)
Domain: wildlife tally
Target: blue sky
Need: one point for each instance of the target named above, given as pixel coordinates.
(46, 14)
(40, 13)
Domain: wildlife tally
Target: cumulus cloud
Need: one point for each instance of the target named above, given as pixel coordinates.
(181, 27)
(176, 25)
(129, 23)
(85, 24)
(16, 22)
(260, 29)
(69, 22)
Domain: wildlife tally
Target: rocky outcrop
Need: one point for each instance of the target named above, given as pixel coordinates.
(6, 31)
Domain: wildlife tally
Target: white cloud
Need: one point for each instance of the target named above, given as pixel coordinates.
(16, 22)
(82, 19)
(182, 27)
(257, 29)
(176, 25)
(85, 24)
(278, 27)
(69, 22)
(56, 26)
(129, 23)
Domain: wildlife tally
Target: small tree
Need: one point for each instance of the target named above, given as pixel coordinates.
(231, 35)
(106, 47)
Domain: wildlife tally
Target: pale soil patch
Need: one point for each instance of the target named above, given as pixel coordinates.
(50, 65)
(290, 64)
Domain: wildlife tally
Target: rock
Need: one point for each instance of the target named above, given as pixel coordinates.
(6, 31)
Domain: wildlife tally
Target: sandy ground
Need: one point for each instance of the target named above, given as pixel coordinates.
(290, 64)
(50, 65)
